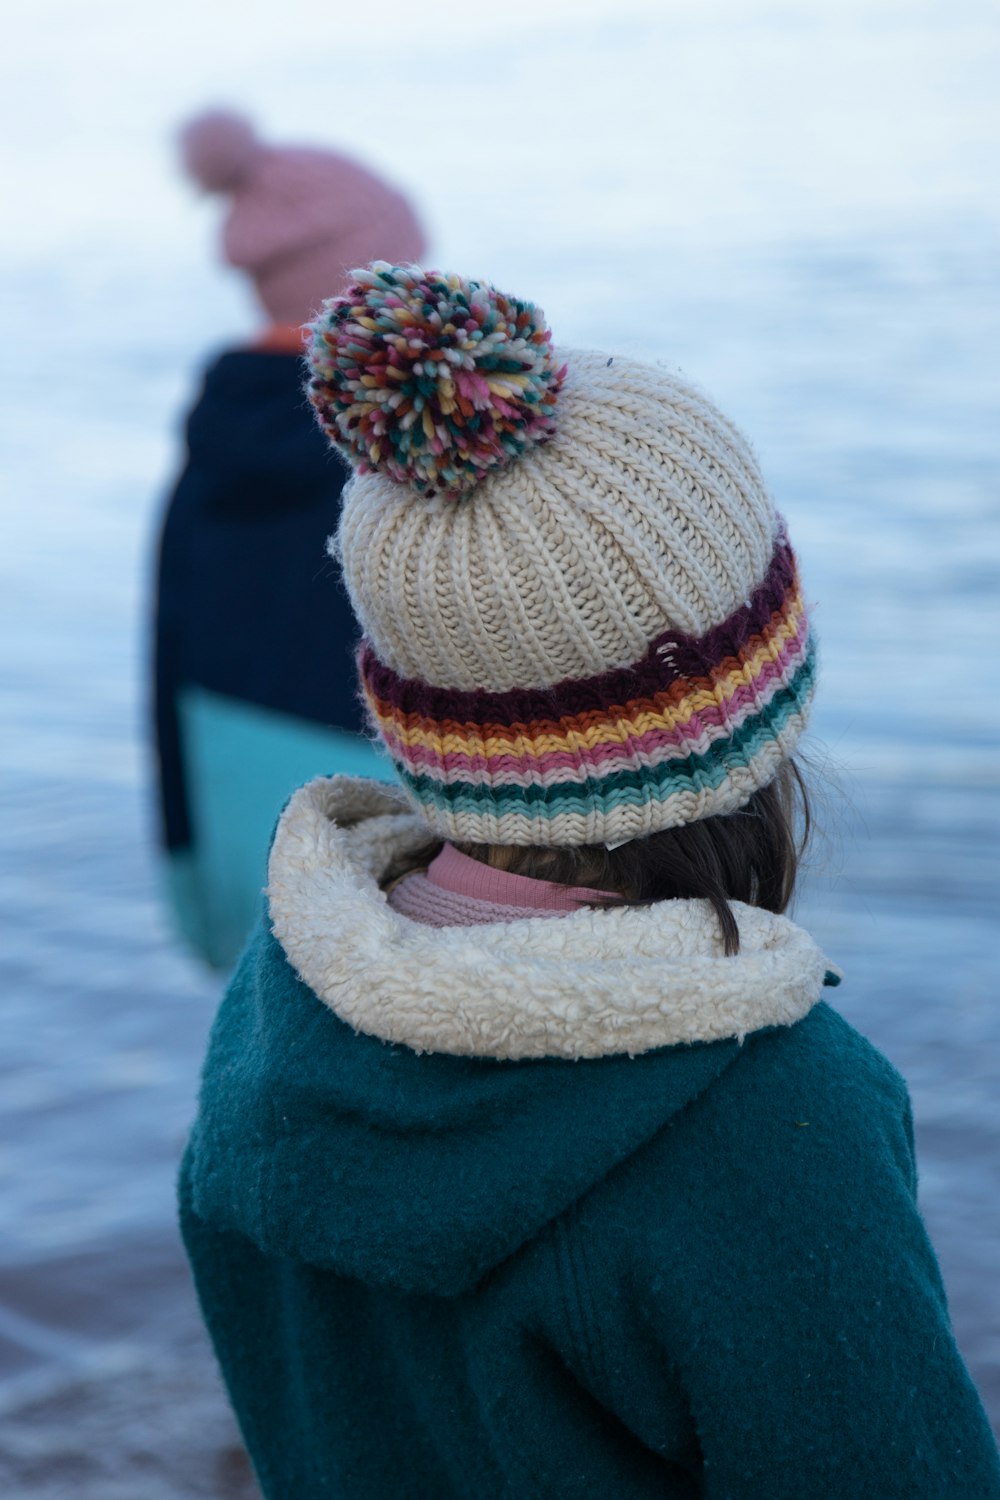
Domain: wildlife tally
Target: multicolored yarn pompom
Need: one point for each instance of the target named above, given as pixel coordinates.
(432, 379)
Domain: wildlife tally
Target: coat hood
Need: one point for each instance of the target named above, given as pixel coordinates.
(595, 983)
(409, 1106)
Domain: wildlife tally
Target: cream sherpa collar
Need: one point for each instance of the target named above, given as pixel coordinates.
(593, 983)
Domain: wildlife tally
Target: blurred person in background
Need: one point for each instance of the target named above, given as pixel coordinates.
(254, 682)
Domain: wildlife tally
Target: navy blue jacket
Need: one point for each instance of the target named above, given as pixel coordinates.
(248, 604)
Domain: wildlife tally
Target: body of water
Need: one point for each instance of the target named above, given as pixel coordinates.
(732, 195)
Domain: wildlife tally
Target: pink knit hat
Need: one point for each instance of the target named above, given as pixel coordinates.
(300, 218)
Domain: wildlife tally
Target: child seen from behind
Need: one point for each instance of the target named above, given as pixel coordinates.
(531, 1160)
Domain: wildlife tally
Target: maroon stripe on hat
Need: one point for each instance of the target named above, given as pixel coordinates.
(688, 656)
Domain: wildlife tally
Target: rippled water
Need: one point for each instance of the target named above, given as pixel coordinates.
(831, 277)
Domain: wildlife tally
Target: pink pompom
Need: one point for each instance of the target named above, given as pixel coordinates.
(219, 150)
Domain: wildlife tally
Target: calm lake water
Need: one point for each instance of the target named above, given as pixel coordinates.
(794, 210)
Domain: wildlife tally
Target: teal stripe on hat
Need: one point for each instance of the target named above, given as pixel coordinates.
(637, 787)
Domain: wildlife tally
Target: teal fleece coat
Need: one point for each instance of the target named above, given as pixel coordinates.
(691, 1270)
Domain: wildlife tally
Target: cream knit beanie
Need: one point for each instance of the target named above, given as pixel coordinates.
(581, 615)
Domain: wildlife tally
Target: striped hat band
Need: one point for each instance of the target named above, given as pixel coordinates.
(691, 730)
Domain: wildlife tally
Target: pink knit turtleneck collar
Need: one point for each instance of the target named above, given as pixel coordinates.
(458, 891)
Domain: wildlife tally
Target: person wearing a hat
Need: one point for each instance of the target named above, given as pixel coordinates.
(254, 686)
(531, 1160)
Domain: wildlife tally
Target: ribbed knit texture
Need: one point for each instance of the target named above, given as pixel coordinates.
(582, 619)
(691, 730)
(458, 891)
(645, 513)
